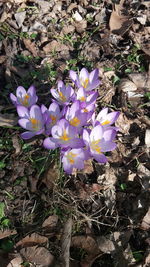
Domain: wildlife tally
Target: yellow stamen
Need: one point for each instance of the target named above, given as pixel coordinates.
(62, 97)
(65, 137)
(95, 146)
(25, 100)
(82, 98)
(75, 122)
(85, 82)
(53, 118)
(85, 110)
(35, 123)
(105, 122)
(71, 157)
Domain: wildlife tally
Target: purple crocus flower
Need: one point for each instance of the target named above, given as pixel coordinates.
(104, 118)
(31, 120)
(73, 158)
(99, 140)
(88, 81)
(23, 97)
(75, 116)
(86, 99)
(51, 116)
(63, 94)
(63, 135)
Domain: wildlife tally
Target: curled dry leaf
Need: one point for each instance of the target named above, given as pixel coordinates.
(16, 262)
(50, 222)
(118, 22)
(32, 240)
(6, 233)
(30, 46)
(123, 123)
(51, 176)
(37, 255)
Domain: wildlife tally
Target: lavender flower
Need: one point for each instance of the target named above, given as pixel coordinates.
(23, 97)
(31, 120)
(88, 81)
(63, 94)
(99, 140)
(73, 158)
(51, 116)
(74, 115)
(63, 135)
(106, 119)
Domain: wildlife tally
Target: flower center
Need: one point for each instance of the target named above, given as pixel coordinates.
(53, 118)
(25, 100)
(35, 124)
(62, 97)
(95, 146)
(105, 122)
(82, 98)
(75, 122)
(64, 136)
(70, 157)
(85, 82)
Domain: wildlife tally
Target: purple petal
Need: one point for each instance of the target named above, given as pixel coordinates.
(94, 75)
(86, 137)
(26, 124)
(96, 133)
(101, 158)
(94, 84)
(113, 116)
(73, 75)
(31, 91)
(107, 145)
(20, 92)
(27, 135)
(102, 114)
(43, 108)
(84, 74)
(109, 134)
(50, 143)
(66, 165)
(13, 99)
(23, 112)
(35, 112)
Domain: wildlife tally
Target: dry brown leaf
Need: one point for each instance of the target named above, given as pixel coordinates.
(88, 167)
(32, 240)
(118, 22)
(6, 233)
(16, 144)
(141, 80)
(80, 26)
(51, 176)
(16, 262)
(37, 255)
(65, 243)
(7, 120)
(147, 138)
(50, 222)
(55, 46)
(123, 123)
(146, 221)
(2, 59)
(85, 242)
(30, 46)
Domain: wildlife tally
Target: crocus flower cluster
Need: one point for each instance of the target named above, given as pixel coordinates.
(70, 122)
